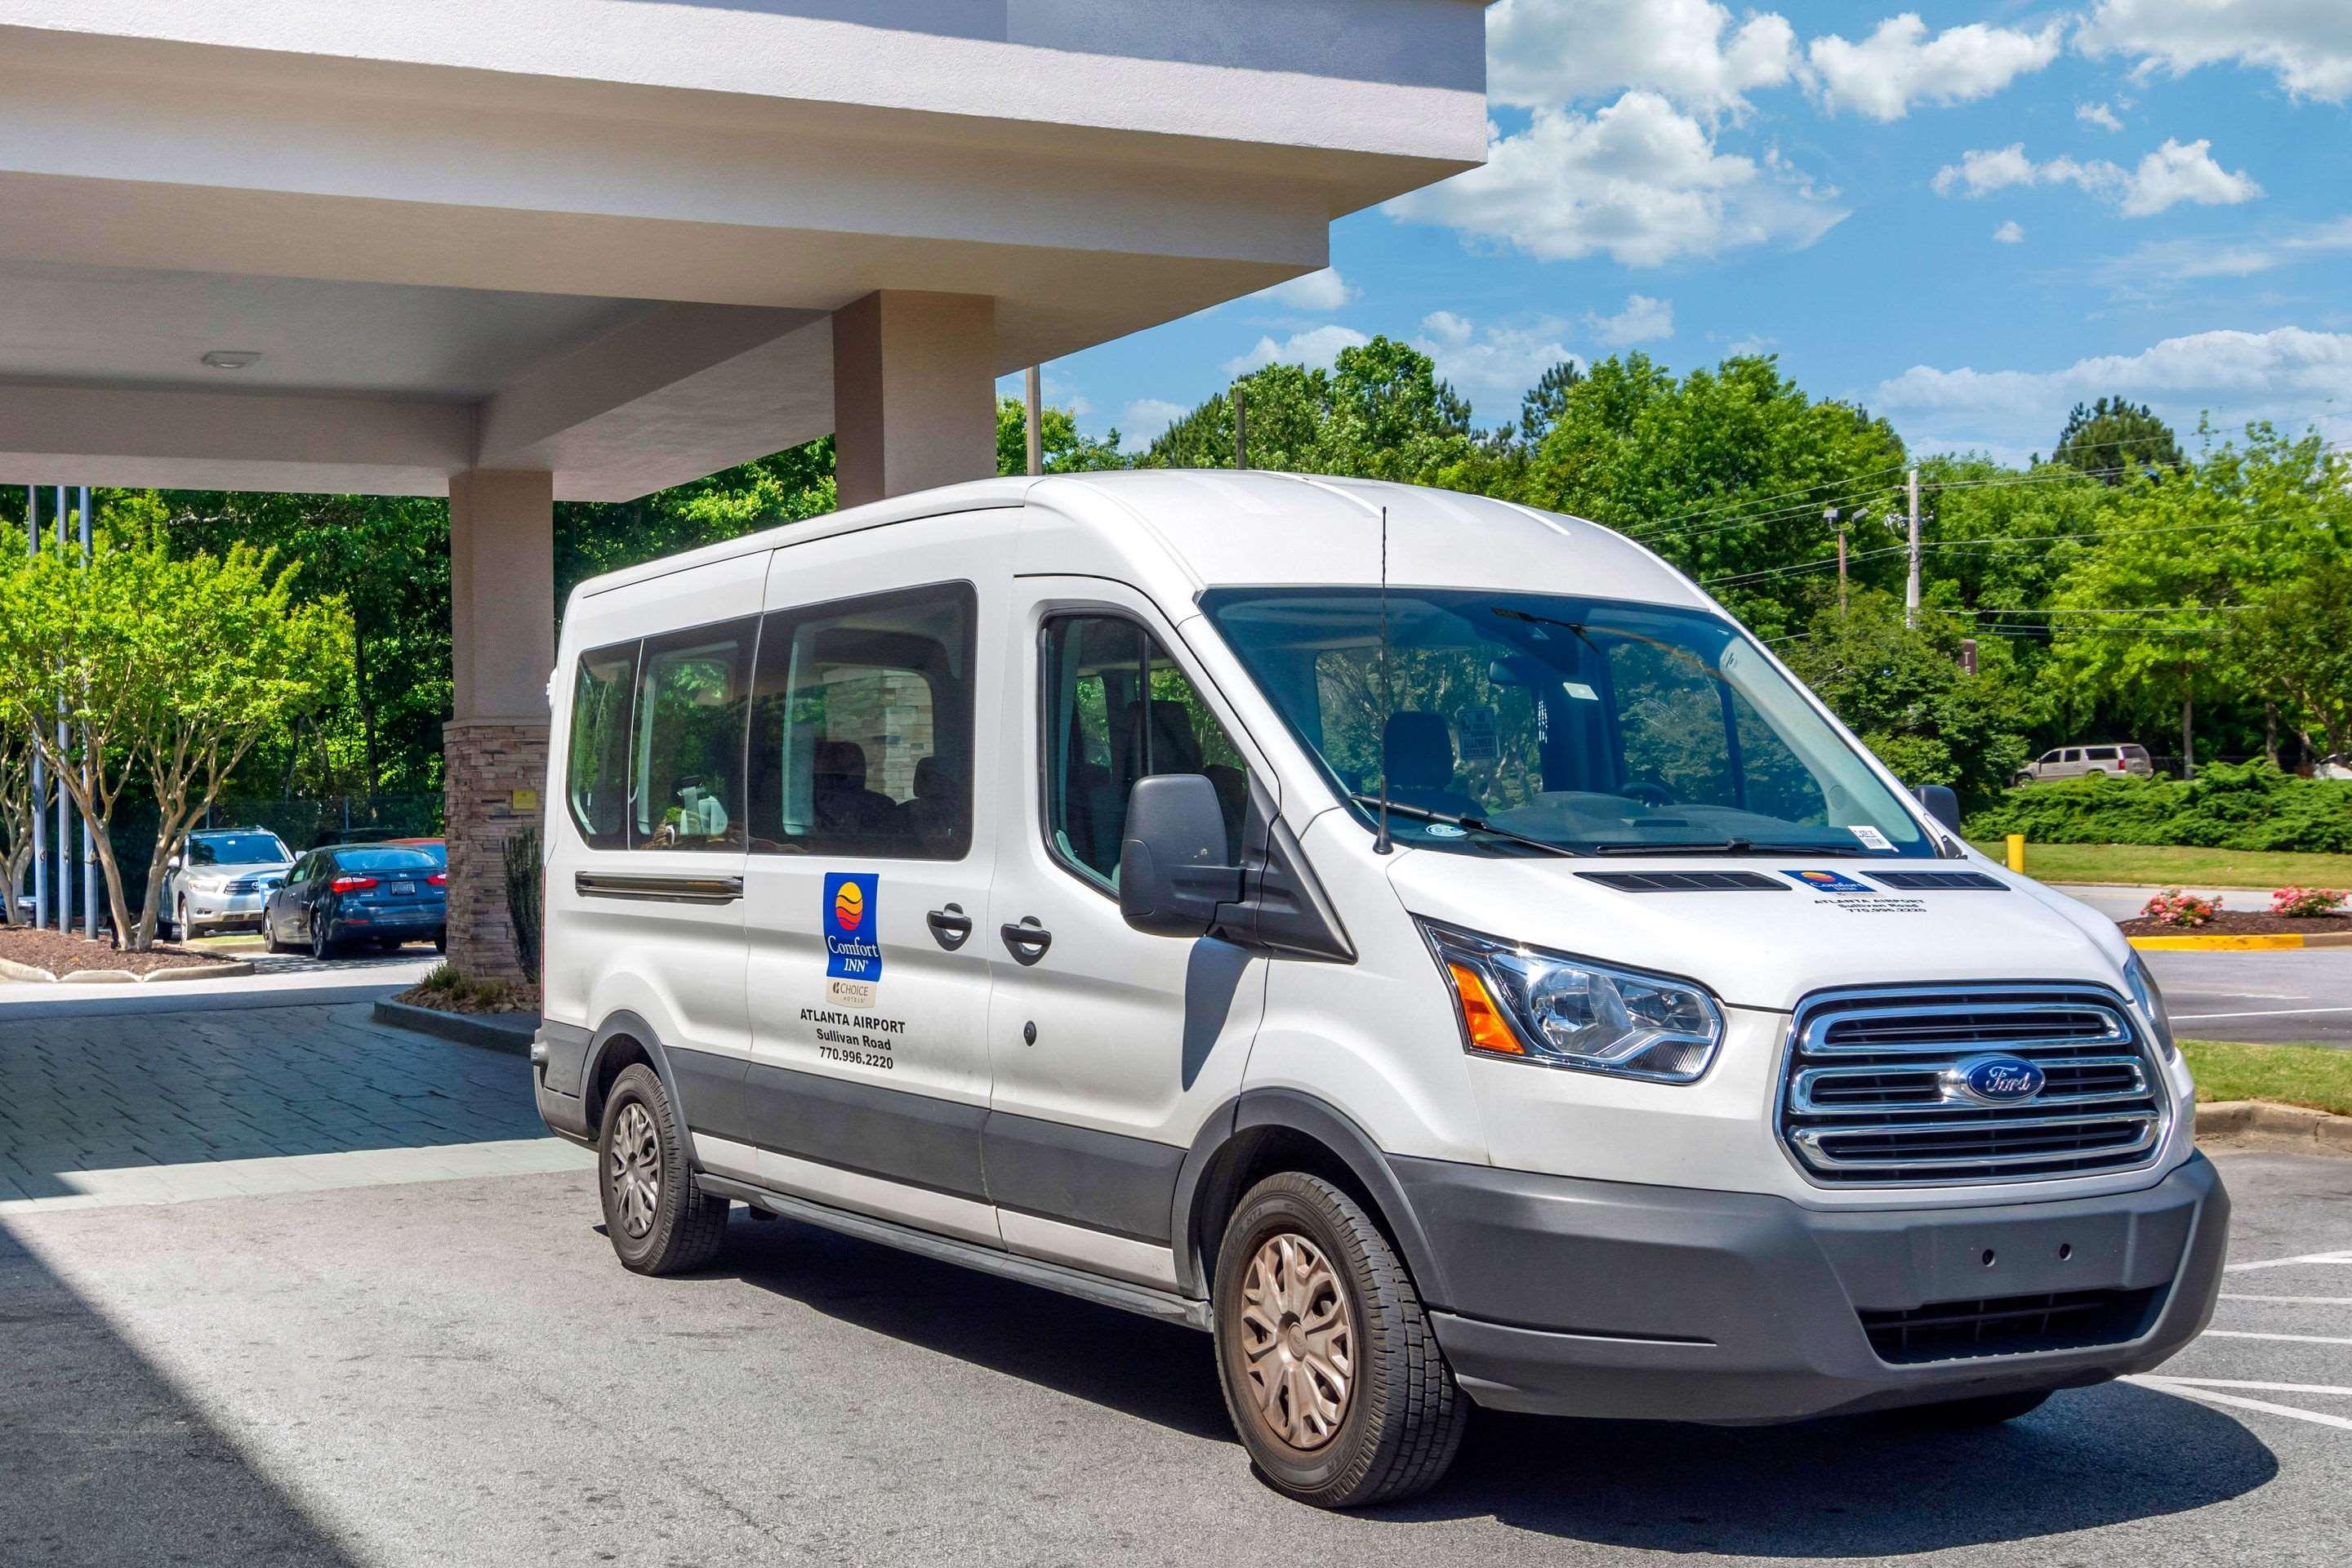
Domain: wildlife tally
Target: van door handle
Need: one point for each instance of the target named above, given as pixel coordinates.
(950, 927)
(1028, 940)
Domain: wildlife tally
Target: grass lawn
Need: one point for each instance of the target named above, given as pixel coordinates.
(2289, 1075)
(2175, 866)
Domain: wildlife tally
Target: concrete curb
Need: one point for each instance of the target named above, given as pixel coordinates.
(2258, 1124)
(511, 1032)
(12, 970)
(2272, 942)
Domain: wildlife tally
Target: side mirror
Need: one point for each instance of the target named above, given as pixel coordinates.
(173, 865)
(1171, 859)
(1941, 803)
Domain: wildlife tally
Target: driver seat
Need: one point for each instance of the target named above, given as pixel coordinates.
(1417, 755)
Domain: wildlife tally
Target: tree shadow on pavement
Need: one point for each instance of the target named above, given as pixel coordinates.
(103, 1462)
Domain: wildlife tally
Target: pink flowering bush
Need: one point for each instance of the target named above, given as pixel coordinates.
(2307, 901)
(2174, 908)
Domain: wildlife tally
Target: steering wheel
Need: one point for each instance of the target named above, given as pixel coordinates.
(1648, 794)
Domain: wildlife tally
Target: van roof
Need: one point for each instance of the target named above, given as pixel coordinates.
(1224, 526)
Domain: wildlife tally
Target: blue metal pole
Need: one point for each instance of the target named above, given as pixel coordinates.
(89, 846)
(40, 775)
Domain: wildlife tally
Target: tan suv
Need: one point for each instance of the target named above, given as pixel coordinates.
(2074, 761)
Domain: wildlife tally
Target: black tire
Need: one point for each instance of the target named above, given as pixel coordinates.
(323, 946)
(269, 936)
(1963, 1415)
(1401, 1420)
(683, 1226)
(441, 940)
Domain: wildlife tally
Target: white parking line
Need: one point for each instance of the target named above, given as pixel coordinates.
(2291, 1262)
(2298, 1339)
(2241, 1382)
(2190, 1391)
(2293, 1300)
(2268, 1013)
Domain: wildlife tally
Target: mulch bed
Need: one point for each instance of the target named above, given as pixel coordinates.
(2244, 922)
(512, 1001)
(60, 953)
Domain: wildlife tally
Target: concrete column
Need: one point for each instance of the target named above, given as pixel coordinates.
(914, 392)
(502, 649)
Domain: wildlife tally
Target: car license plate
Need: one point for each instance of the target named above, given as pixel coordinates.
(403, 890)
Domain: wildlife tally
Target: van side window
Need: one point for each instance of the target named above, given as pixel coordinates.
(862, 727)
(686, 741)
(1117, 709)
(597, 767)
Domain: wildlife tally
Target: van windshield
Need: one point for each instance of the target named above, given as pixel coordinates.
(1588, 726)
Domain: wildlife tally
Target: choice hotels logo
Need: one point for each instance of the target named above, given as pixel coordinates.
(851, 950)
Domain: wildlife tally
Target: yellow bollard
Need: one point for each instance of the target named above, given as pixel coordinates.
(2017, 852)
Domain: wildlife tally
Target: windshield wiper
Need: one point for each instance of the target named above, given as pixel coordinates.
(1724, 847)
(1474, 824)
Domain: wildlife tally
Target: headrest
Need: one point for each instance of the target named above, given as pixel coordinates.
(1174, 749)
(1417, 750)
(931, 778)
(840, 764)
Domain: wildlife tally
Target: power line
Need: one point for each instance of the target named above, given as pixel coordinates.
(2047, 539)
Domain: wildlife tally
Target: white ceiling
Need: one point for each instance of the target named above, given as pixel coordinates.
(138, 327)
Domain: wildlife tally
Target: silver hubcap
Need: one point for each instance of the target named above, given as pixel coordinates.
(1297, 1346)
(633, 1170)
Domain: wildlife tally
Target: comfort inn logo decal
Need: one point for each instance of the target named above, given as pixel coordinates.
(851, 951)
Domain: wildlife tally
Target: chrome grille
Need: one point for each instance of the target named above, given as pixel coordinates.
(252, 884)
(1872, 1094)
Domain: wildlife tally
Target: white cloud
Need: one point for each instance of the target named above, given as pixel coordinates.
(1644, 320)
(1638, 181)
(1899, 64)
(2190, 260)
(2307, 44)
(2286, 375)
(1491, 364)
(2011, 232)
(1542, 53)
(1324, 290)
(2173, 174)
(1754, 343)
(2098, 114)
(1317, 347)
(1142, 421)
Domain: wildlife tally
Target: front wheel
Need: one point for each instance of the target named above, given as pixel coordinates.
(1330, 1372)
(659, 1221)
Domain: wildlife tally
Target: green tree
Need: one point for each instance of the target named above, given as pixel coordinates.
(1381, 412)
(596, 537)
(2111, 437)
(1902, 691)
(1546, 400)
(170, 669)
(2295, 643)
(1064, 448)
(20, 803)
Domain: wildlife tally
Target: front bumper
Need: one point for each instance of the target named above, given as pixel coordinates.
(220, 911)
(1602, 1298)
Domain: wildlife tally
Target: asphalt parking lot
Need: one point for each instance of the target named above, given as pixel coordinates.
(375, 1359)
(2272, 997)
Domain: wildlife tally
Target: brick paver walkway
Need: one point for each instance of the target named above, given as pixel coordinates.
(158, 1108)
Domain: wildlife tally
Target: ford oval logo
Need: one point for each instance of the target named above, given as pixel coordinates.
(1997, 1081)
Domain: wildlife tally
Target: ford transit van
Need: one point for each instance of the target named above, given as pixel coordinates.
(1422, 940)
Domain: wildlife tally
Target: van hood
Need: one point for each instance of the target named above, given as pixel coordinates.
(1807, 926)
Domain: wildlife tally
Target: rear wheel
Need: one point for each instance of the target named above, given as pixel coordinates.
(322, 946)
(659, 1221)
(1330, 1372)
(1960, 1415)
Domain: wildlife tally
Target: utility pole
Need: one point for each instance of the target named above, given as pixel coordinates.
(1034, 395)
(88, 845)
(1241, 427)
(1830, 516)
(65, 797)
(40, 775)
(1911, 581)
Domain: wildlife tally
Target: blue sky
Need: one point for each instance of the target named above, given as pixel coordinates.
(1964, 218)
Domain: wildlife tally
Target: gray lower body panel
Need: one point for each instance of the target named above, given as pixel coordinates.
(1603, 1298)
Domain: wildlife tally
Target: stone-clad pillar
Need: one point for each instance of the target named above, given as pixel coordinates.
(914, 392)
(494, 748)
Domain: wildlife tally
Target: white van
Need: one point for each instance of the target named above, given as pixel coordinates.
(1420, 940)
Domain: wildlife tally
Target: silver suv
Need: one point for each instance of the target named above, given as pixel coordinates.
(220, 881)
(2076, 761)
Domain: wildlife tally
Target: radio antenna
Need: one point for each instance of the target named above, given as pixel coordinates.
(1380, 845)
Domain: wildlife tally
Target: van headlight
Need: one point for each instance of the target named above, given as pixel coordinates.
(2148, 997)
(1542, 1007)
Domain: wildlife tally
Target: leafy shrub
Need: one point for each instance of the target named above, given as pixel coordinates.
(2306, 902)
(451, 989)
(2174, 908)
(2251, 806)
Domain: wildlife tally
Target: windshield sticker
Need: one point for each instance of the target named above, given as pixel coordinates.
(1445, 831)
(1828, 882)
(1474, 730)
(1870, 837)
(1582, 692)
(852, 956)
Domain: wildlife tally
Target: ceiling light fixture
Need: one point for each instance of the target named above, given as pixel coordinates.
(232, 359)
